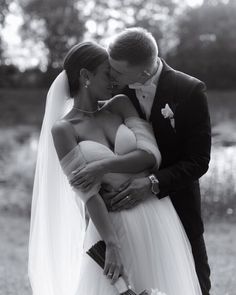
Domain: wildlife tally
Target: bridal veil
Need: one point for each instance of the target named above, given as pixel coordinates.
(57, 221)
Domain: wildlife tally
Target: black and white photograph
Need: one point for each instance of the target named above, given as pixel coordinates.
(117, 147)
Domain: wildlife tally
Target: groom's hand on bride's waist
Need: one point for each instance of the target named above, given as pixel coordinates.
(130, 194)
(107, 193)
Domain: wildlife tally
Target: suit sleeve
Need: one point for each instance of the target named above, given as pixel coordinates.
(192, 122)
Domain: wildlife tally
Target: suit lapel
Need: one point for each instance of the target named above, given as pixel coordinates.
(166, 136)
(164, 94)
(165, 133)
(132, 96)
(165, 91)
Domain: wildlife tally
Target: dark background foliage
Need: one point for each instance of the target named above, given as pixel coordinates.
(199, 40)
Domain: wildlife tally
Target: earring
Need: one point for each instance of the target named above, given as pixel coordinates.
(87, 83)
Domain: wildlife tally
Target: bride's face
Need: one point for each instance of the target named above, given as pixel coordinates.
(100, 82)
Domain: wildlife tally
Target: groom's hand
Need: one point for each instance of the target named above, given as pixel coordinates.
(131, 194)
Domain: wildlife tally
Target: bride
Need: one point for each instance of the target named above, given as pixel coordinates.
(147, 244)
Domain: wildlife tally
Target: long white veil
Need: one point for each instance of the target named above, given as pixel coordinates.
(57, 223)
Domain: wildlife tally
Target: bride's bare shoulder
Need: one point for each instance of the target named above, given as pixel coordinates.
(63, 137)
(122, 106)
(61, 127)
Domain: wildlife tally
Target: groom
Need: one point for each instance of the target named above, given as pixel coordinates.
(176, 106)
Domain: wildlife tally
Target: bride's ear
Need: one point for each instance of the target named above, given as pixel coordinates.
(84, 75)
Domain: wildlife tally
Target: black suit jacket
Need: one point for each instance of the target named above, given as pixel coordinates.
(185, 149)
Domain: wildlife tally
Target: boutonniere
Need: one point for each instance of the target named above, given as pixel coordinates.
(167, 113)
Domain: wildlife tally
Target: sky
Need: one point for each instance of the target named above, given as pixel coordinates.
(19, 52)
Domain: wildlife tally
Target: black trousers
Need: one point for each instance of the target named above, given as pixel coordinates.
(201, 263)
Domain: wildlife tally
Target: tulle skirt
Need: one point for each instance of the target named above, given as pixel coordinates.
(155, 252)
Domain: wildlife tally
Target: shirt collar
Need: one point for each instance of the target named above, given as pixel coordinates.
(152, 81)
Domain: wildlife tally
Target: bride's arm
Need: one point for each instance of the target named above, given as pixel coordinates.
(64, 142)
(133, 162)
(145, 157)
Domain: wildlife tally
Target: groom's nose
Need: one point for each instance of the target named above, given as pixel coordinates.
(112, 75)
(113, 78)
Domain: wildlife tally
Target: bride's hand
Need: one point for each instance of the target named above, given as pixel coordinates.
(85, 178)
(113, 265)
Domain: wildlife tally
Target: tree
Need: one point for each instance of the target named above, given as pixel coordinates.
(56, 23)
(108, 17)
(207, 43)
(4, 4)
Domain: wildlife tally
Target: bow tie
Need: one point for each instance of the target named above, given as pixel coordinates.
(145, 88)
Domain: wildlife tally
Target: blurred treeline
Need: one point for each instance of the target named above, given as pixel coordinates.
(199, 40)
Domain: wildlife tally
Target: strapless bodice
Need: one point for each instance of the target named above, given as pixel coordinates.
(133, 134)
(125, 142)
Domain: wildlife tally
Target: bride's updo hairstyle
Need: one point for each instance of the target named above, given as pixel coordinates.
(87, 55)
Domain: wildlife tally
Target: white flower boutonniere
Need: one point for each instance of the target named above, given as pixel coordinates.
(167, 113)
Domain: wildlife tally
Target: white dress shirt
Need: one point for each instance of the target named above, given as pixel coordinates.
(146, 92)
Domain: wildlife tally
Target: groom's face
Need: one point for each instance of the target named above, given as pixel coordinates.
(124, 74)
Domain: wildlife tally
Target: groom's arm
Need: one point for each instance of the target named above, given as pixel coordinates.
(192, 123)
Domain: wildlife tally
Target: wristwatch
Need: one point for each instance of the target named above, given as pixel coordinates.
(155, 184)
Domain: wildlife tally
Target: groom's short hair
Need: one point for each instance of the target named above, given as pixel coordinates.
(135, 46)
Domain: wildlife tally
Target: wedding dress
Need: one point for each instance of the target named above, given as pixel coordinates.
(154, 247)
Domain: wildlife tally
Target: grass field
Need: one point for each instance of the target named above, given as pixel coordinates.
(220, 239)
(21, 116)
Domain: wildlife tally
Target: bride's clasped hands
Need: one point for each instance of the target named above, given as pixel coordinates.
(131, 193)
